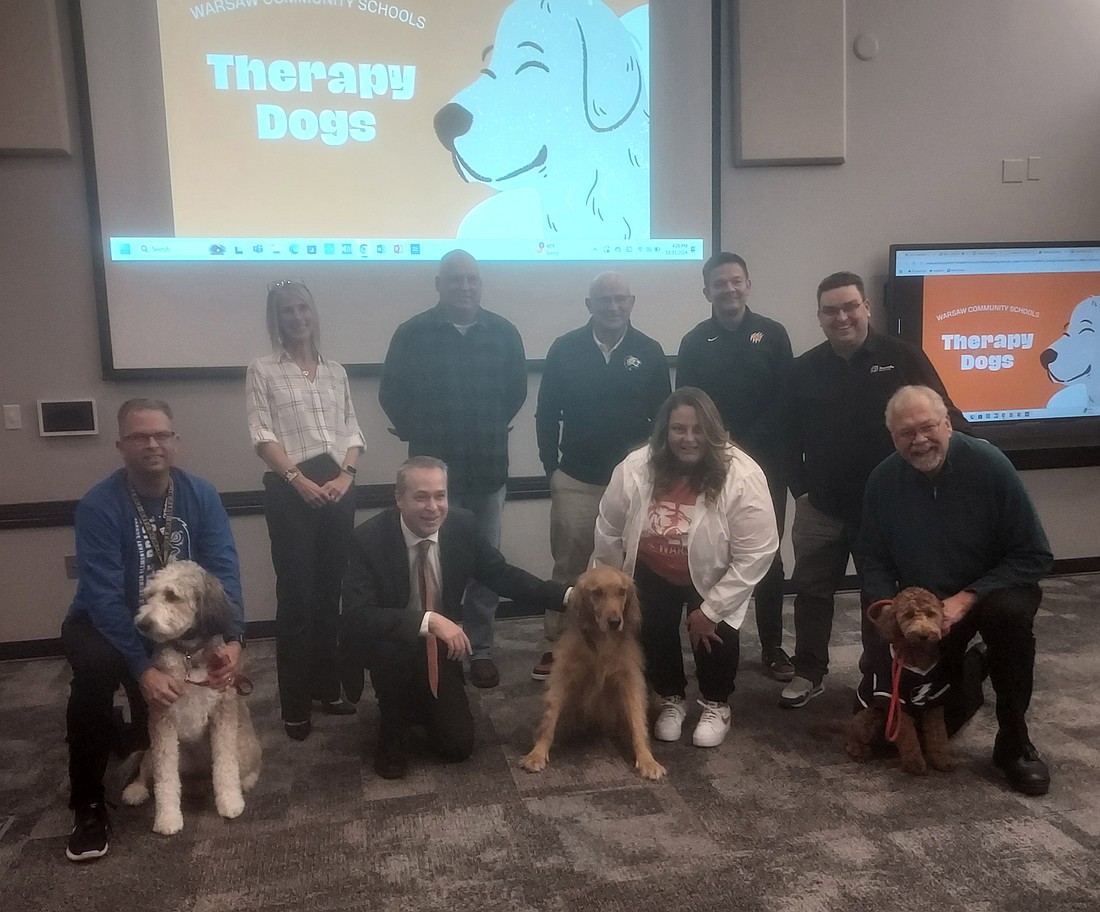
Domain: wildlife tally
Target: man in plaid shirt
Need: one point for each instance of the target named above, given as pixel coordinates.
(454, 378)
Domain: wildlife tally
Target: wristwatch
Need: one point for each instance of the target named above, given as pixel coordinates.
(292, 473)
(350, 469)
(235, 638)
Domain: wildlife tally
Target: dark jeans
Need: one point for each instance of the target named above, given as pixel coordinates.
(98, 670)
(399, 674)
(479, 603)
(768, 595)
(1004, 620)
(662, 612)
(309, 549)
(822, 546)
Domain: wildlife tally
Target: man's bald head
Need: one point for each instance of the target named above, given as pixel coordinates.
(459, 285)
(610, 303)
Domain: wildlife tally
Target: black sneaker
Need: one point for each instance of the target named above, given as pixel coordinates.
(778, 664)
(89, 838)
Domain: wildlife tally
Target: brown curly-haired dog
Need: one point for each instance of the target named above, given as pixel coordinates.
(910, 625)
(597, 677)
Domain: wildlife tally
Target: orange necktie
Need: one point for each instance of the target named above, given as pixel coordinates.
(427, 602)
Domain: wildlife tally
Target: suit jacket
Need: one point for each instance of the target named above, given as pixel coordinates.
(376, 616)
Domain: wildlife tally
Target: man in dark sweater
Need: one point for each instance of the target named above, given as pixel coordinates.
(454, 378)
(740, 359)
(833, 406)
(949, 513)
(601, 386)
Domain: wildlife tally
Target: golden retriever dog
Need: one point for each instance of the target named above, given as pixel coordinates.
(597, 679)
(205, 731)
(904, 684)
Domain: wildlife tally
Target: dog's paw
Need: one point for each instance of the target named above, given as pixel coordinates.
(534, 762)
(229, 806)
(650, 768)
(168, 824)
(859, 751)
(135, 793)
(915, 765)
(942, 762)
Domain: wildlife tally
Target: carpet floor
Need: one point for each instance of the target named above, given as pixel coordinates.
(776, 819)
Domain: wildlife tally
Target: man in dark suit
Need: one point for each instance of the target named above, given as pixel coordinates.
(403, 589)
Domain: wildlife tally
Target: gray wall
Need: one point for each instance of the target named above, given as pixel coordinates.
(956, 88)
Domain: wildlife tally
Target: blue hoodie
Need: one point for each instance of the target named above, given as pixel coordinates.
(116, 561)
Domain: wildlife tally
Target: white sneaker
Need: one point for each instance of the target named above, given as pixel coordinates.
(799, 692)
(714, 724)
(671, 719)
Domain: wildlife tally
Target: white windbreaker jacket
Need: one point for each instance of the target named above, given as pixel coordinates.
(731, 541)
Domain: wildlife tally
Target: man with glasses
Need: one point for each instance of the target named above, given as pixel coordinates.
(834, 402)
(601, 386)
(949, 513)
(141, 517)
(740, 359)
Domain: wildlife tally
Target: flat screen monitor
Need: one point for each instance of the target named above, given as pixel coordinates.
(1013, 330)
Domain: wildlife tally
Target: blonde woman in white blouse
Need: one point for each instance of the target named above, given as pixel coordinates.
(302, 424)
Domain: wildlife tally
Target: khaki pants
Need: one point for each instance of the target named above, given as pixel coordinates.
(574, 507)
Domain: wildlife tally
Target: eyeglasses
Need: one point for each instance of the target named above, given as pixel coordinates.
(848, 309)
(923, 430)
(159, 437)
(619, 300)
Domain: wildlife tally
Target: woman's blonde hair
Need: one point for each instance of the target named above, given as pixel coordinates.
(277, 292)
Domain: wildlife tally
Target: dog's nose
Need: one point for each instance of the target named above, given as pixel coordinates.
(1047, 357)
(614, 623)
(452, 121)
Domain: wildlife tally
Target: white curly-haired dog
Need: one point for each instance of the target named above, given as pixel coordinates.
(559, 118)
(1073, 360)
(185, 614)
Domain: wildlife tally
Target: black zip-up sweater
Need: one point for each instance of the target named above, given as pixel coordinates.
(597, 412)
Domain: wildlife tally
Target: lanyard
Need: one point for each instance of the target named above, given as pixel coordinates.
(157, 540)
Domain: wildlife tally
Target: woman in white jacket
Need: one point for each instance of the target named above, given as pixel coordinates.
(690, 518)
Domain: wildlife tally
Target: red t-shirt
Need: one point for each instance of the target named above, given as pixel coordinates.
(663, 545)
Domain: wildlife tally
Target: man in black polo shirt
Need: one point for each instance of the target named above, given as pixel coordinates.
(834, 404)
(601, 386)
(740, 359)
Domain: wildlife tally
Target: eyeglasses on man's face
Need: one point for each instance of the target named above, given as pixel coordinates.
(848, 308)
(161, 437)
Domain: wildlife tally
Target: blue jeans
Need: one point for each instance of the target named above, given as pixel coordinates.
(480, 603)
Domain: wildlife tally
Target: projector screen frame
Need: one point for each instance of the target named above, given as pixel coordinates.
(1043, 443)
(111, 372)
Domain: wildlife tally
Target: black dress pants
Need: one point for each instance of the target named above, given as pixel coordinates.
(98, 670)
(662, 614)
(768, 594)
(309, 550)
(399, 675)
(1004, 620)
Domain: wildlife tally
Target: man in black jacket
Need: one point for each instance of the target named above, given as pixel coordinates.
(601, 386)
(402, 604)
(740, 359)
(835, 399)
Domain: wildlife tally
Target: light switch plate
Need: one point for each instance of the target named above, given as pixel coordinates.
(13, 418)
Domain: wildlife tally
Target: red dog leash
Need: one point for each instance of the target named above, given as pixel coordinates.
(893, 719)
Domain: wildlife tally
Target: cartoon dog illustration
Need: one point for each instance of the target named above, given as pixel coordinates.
(1074, 361)
(558, 122)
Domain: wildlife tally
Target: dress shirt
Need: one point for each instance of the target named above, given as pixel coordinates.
(307, 417)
